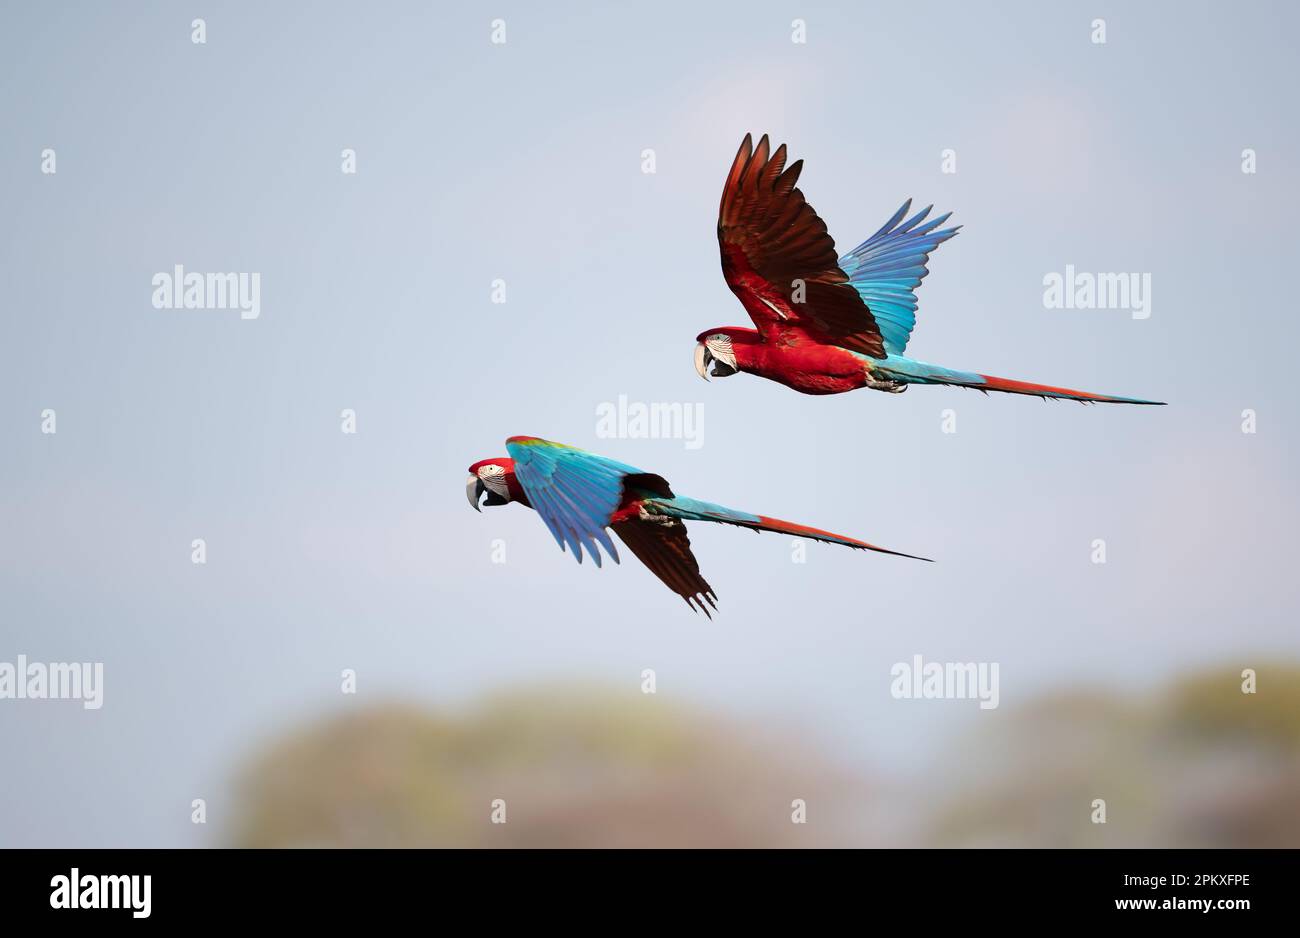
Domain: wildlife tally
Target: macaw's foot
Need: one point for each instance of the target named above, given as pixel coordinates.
(892, 387)
(666, 520)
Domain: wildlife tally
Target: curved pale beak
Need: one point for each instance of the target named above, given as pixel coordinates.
(702, 358)
(474, 489)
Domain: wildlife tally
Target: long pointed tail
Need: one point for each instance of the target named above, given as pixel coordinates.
(914, 372)
(692, 509)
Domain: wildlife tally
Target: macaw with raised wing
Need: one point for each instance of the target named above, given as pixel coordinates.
(825, 324)
(579, 495)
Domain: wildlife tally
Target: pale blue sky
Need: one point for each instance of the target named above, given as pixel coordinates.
(522, 162)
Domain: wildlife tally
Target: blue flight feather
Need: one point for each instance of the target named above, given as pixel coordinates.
(575, 492)
(887, 268)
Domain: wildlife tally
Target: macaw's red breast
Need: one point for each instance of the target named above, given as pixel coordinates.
(801, 363)
(629, 510)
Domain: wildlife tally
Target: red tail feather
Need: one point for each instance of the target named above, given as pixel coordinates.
(992, 383)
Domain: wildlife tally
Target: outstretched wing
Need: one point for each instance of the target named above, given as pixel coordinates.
(887, 268)
(576, 492)
(779, 259)
(662, 545)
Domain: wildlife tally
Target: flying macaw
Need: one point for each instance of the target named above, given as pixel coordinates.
(579, 495)
(827, 325)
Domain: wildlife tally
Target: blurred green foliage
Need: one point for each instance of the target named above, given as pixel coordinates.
(1199, 764)
(574, 767)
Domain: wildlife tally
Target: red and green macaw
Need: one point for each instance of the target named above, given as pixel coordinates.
(580, 494)
(827, 325)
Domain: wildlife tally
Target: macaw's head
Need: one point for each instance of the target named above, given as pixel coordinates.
(496, 479)
(725, 348)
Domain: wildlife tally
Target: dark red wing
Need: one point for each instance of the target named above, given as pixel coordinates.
(770, 237)
(662, 545)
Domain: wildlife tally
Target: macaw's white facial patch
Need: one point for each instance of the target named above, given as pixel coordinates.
(719, 346)
(715, 350)
(494, 477)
